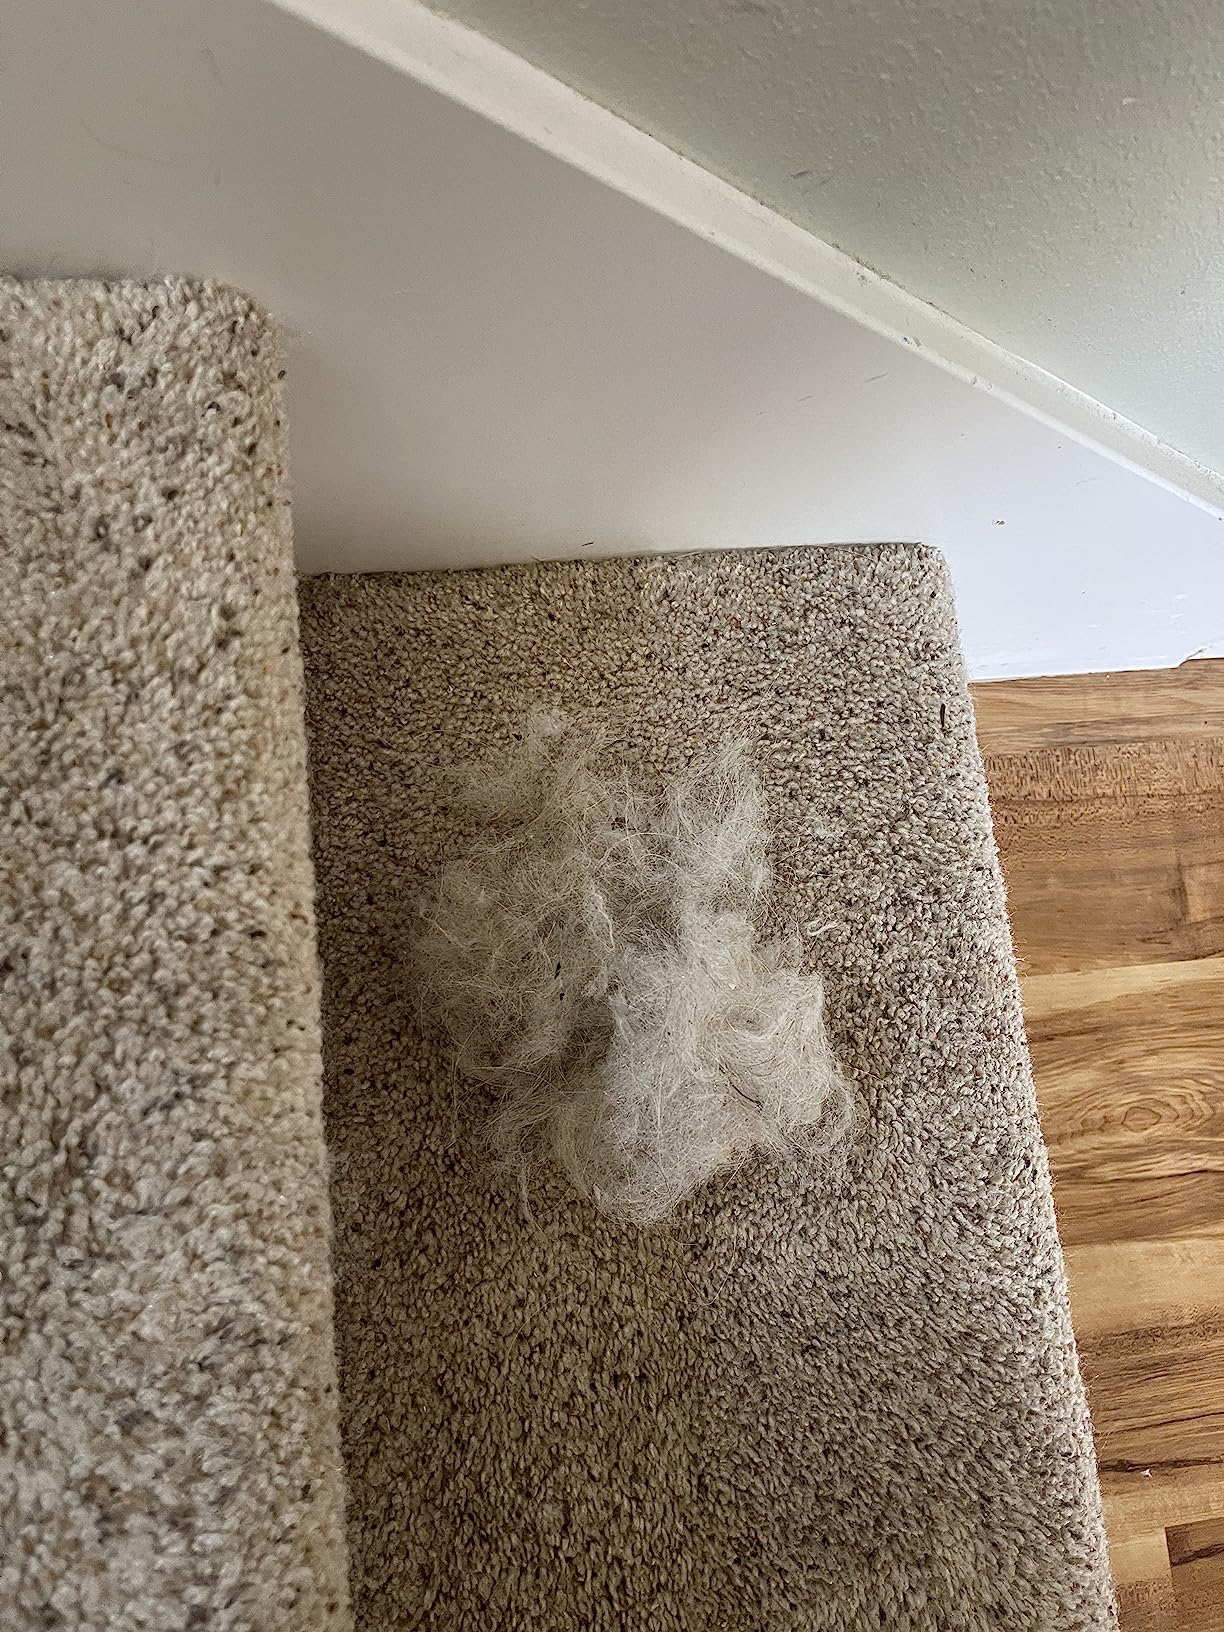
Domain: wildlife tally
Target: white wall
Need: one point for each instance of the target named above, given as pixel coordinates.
(494, 354)
(1048, 171)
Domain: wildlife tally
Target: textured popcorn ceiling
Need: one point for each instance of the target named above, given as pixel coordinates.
(1050, 174)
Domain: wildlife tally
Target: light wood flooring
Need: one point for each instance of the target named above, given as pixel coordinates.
(1108, 798)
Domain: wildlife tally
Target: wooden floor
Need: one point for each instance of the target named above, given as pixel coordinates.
(1108, 797)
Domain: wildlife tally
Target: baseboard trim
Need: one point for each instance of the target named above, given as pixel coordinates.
(474, 71)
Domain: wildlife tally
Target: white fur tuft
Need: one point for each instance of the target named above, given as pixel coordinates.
(595, 960)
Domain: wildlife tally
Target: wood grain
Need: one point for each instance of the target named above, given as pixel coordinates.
(1108, 796)
(1196, 1566)
(1143, 1580)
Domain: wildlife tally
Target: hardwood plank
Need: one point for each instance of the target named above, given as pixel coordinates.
(1131, 1285)
(1070, 700)
(1196, 1558)
(1006, 741)
(1150, 1328)
(1144, 1583)
(1140, 1497)
(1156, 1397)
(1112, 858)
(1131, 1075)
(1045, 995)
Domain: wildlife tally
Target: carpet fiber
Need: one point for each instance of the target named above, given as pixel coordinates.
(846, 1399)
(168, 1448)
(840, 1397)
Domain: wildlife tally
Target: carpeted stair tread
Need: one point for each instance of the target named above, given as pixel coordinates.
(168, 1445)
(846, 1399)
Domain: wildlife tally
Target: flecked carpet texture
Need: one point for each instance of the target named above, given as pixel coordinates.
(168, 1446)
(842, 1399)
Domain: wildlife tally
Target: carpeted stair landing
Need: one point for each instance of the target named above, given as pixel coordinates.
(845, 1398)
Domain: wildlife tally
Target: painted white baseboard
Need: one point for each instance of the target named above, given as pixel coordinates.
(520, 327)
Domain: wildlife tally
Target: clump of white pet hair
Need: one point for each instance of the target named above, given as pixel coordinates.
(594, 956)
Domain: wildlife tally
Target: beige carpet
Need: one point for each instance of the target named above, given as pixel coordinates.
(168, 1455)
(843, 1401)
